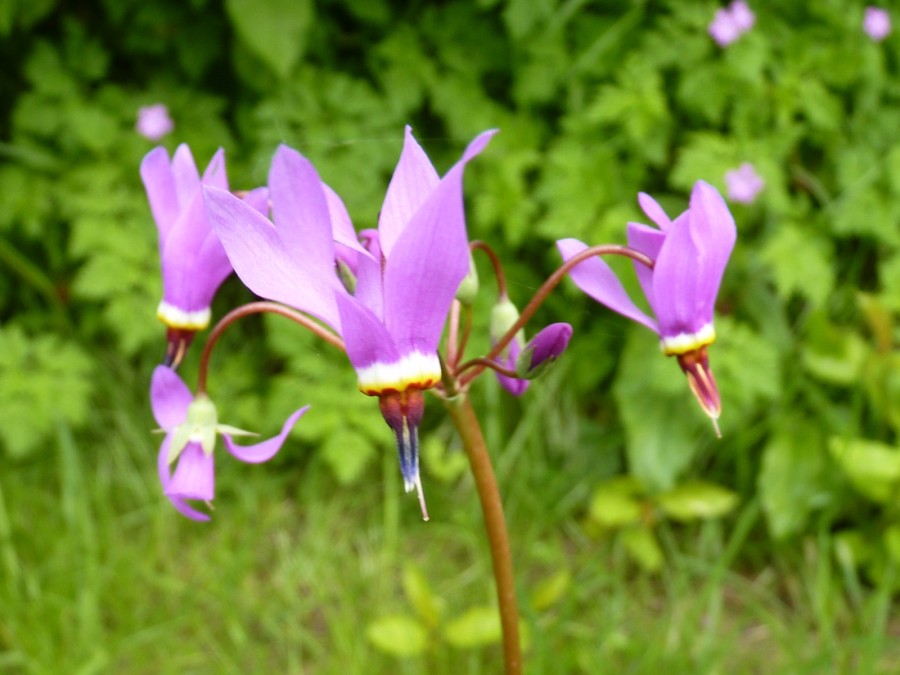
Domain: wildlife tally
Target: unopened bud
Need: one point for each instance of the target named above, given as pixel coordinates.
(468, 287)
(543, 349)
(503, 317)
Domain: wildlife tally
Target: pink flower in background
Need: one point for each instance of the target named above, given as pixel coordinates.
(743, 183)
(153, 122)
(730, 23)
(742, 16)
(877, 23)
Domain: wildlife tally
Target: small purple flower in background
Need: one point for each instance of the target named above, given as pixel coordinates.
(877, 23)
(743, 183)
(742, 16)
(191, 425)
(405, 278)
(689, 255)
(731, 22)
(193, 261)
(153, 122)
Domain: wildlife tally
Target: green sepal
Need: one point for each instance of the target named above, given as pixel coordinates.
(180, 438)
(234, 431)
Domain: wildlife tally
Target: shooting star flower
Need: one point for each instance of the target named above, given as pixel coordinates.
(689, 255)
(191, 424)
(193, 261)
(406, 276)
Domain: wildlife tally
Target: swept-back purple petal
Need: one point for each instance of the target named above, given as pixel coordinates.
(215, 174)
(366, 339)
(341, 225)
(258, 198)
(156, 173)
(169, 397)
(715, 229)
(193, 261)
(647, 240)
(300, 211)
(185, 175)
(691, 263)
(428, 262)
(165, 478)
(194, 476)
(654, 211)
(594, 277)
(264, 450)
(677, 288)
(369, 282)
(261, 261)
(413, 181)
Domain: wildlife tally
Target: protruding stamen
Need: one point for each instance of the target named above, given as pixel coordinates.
(402, 411)
(178, 341)
(695, 365)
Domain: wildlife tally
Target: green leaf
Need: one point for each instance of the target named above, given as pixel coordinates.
(41, 379)
(833, 353)
(697, 500)
(477, 627)
(274, 30)
(347, 452)
(642, 546)
(871, 466)
(428, 606)
(398, 635)
(549, 591)
(801, 262)
(892, 542)
(440, 461)
(792, 480)
(610, 508)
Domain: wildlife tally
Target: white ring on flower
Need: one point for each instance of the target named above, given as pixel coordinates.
(687, 342)
(175, 317)
(416, 368)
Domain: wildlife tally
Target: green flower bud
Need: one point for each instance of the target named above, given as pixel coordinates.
(468, 288)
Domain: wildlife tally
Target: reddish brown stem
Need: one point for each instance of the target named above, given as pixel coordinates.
(261, 307)
(466, 422)
(487, 363)
(495, 261)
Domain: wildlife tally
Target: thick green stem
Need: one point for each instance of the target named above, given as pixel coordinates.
(466, 422)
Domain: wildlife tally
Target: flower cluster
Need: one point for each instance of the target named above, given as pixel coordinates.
(385, 294)
(731, 22)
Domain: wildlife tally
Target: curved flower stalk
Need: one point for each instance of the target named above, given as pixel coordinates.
(191, 424)
(405, 277)
(193, 261)
(689, 255)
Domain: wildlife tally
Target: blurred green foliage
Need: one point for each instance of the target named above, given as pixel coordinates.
(596, 102)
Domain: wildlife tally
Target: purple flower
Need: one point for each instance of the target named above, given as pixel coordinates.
(193, 261)
(191, 425)
(744, 184)
(730, 23)
(877, 23)
(406, 275)
(153, 122)
(689, 254)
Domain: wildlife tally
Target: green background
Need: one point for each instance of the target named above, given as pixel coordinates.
(641, 541)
